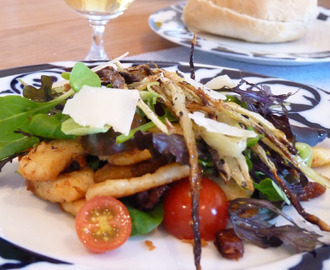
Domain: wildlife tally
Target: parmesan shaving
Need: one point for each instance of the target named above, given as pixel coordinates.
(96, 107)
(218, 127)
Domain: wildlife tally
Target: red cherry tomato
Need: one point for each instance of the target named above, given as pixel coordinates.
(213, 210)
(103, 224)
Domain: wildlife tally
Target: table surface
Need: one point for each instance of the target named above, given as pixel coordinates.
(42, 31)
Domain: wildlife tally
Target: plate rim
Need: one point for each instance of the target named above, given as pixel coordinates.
(242, 56)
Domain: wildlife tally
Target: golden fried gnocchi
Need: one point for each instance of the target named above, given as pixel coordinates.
(72, 207)
(110, 171)
(47, 160)
(130, 157)
(124, 187)
(321, 156)
(67, 187)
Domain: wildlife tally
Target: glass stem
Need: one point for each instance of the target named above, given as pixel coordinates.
(97, 51)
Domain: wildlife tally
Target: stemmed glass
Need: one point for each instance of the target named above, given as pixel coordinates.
(98, 13)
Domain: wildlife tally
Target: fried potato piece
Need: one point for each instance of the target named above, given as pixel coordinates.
(72, 207)
(67, 187)
(110, 171)
(321, 156)
(47, 160)
(124, 187)
(130, 157)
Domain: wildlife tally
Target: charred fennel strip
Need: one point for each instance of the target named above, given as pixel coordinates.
(292, 197)
(179, 107)
(276, 140)
(151, 115)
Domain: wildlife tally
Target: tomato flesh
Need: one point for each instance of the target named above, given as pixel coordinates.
(103, 224)
(213, 210)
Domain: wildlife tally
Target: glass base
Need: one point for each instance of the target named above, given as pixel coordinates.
(97, 51)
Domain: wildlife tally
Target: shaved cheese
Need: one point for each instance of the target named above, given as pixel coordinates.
(207, 90)
(96, 107)
(217, 127)
(220, 81)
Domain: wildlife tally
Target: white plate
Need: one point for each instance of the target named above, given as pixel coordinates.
(314, 47)
(41, 227)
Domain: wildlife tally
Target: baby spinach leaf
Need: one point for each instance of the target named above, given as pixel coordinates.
(82, 75)
(267, 188)
(144, 222)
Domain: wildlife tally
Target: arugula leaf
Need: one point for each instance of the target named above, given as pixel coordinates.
(49, 126)
(18, 144)
(144, 222)
(16, 113)
(82, 75)
(70, 127)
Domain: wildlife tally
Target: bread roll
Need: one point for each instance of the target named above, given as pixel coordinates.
(263, 21)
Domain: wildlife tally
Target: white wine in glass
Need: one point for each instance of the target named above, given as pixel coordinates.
(98, 13)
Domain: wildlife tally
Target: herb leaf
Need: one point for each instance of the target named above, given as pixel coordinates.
(266, 187)
(43, 94)
(82, 75)
(48, 126)
(70, 127)
(143, 222)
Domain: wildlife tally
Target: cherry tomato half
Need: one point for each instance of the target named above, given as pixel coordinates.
(103, 224)
(213, 210)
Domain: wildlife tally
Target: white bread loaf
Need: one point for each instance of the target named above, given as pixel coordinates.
(263, 21)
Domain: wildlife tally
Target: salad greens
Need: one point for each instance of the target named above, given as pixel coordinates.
(271, 191)
(35, 114)
(143, 222)
(82, 75)
(17, 111)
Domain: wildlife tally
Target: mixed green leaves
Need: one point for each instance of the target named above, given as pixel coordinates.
(25, 121)
(18, 119)
(143, 222)
(42, 94)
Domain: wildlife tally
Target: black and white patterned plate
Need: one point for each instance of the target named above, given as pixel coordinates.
(314, 47)
(37, 235)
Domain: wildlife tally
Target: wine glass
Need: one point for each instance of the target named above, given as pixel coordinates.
(98, 13)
